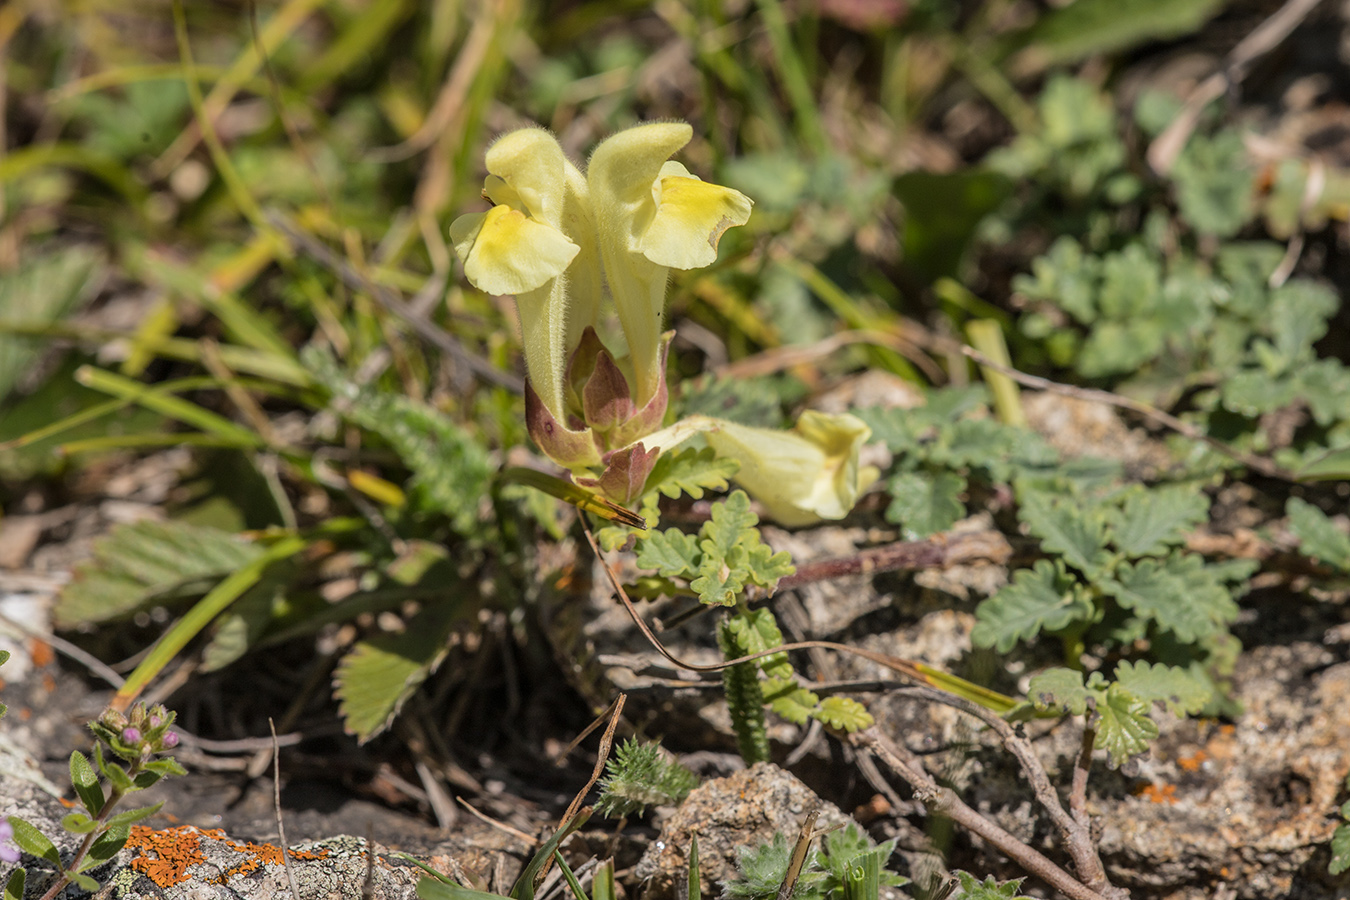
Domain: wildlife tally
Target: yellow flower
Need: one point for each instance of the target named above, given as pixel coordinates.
(519, 247)
(800, 476)
(651, 215)
(804, 475)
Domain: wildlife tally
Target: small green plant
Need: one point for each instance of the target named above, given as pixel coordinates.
(849, 866)
(640, 775)
(1340, 840)
(136, 738)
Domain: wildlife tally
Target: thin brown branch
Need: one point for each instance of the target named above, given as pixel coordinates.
(943, 801)
(1078, 790)
(276, 807)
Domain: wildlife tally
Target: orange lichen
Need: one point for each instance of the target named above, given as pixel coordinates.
(1158, 793)
(1193, 761)
(178, 849)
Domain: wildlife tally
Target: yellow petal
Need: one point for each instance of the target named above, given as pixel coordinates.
(531, 163)
(689, 221)
(506, 252)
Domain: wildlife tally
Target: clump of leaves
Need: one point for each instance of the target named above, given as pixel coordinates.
(1117, 711)
(1340, 840)
(1118, 577)
(640, 775)
(971, 888)
(849, 866)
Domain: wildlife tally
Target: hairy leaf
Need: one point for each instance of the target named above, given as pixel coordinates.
(844, 714)
(973, 889)
(672, 553)
(787, 699)
(1340, 848)
(1150, 521)
(757, 630)
(1178, 593)
(1061, 689)
(1318, 536)
(1124, 728)
(1038, 599)
(690, 471)
(133, 565)
(924, 504)
(377, 677)
(640, 775)
(1075, 531)
(1158, 683)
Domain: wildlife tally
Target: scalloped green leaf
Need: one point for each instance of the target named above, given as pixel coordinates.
(755, 631)
(789, 700)
(1148, 522)
(764, 567)
(691, 471)
(1319, 538)
(990, 889)
(1060, 689)
(717, 583)
(925, 504)
(1038, 599)
(1158, 683)
(1179, 593)
(1124, 728)
(731, 523)
(672, 553)
(134, 565)
(844, 714)
(377, 677)
(1074, 530)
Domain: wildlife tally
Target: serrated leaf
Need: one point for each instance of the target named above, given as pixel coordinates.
(717, 584)
(133, 565)
(1318, 536)
(1340, 850)
(789, 700)
(898, 429)
(1171, 685)
(973, 889)
(1214, 183)
(672, 553)
(755, 631)
(690, 471)
(1124, 728)
(1150, 521)
(1078, 533)
(85, 781)
(1178, 593)
(33, 842)
(924, 505)
(1061, 689)
(731, 519)
(764, 567)
(1038, 599)
(844, 714)
(377, 677)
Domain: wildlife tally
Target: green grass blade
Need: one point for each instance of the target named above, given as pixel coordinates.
(217, 600)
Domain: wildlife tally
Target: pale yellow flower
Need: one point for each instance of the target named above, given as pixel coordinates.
(651, 215)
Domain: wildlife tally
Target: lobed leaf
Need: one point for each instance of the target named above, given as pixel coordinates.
(924, 505)
(1075, 532)
(1148, 522)
(1179, 593)
(1319, 538)
(690, 471)
(672, 553)
(1038, 599)
(1158, 683)
(1124, 728)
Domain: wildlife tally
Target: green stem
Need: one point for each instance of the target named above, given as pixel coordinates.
(745, 700)
(115, 795)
